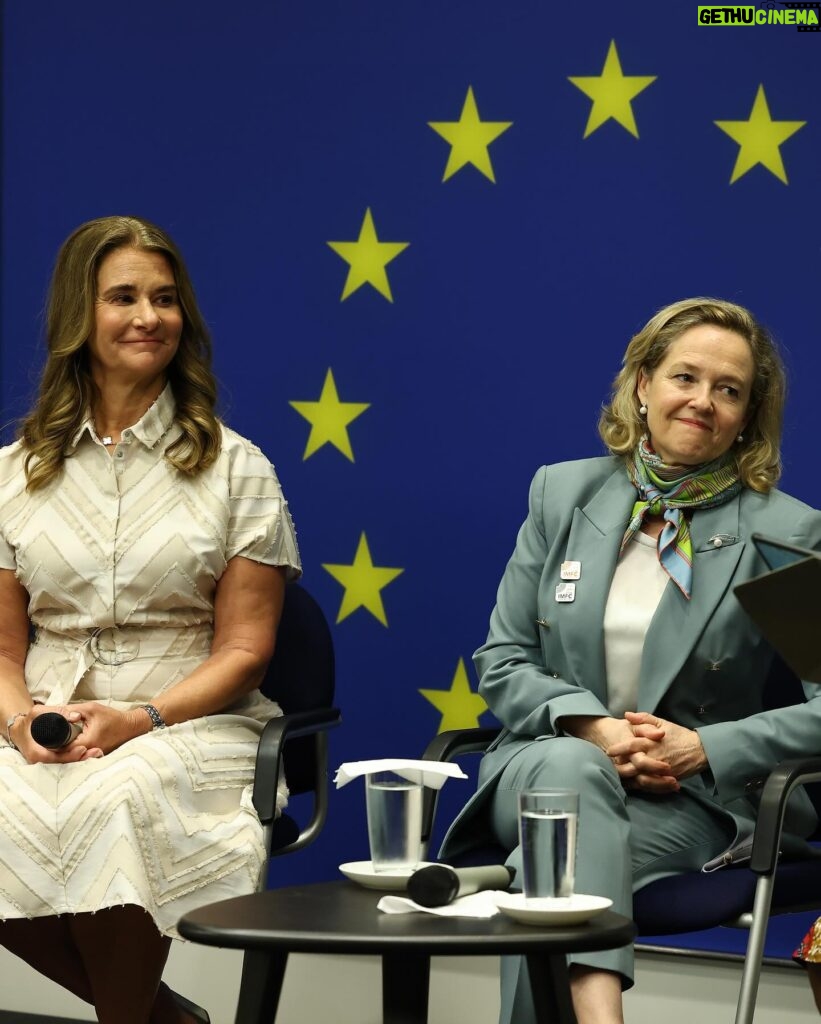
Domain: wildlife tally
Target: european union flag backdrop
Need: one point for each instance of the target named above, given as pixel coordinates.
(422, 235)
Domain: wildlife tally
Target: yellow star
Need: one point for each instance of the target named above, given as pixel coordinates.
(611, 92)
(759, 139)
(460, 706)
(368, 257)
(469, 139)
(329, 419)
(363, 582)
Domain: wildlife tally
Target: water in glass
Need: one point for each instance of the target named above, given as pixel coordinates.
(394, 823)
(548, 853)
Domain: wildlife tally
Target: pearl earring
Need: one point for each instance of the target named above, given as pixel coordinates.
(740, 438)
(642, 410)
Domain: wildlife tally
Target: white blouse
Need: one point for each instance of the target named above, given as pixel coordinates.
(635, 592)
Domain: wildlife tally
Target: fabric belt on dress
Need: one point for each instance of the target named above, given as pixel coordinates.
(116, 645)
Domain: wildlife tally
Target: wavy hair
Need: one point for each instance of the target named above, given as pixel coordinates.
(759, 455)
(67, 389)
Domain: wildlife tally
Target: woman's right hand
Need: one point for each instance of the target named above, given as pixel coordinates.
(77, 750)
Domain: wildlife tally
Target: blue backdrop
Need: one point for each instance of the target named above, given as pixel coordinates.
(422, 235)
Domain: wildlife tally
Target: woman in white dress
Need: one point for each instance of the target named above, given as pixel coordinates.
(144, 550)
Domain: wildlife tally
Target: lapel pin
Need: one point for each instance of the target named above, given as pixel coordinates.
(718, 540)
(565, 593)
(570, 570)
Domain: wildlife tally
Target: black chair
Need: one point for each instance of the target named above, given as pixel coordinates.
(301, 679)
(738, 896)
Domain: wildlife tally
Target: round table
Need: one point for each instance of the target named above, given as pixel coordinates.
(341, 917)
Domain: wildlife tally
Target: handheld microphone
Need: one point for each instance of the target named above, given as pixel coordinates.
(437, 884)
(53, 730)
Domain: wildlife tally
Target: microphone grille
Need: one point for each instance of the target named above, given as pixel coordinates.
(51, 730)
(433, 886)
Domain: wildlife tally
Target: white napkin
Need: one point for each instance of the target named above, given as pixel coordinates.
(429, 773)
(479, 904)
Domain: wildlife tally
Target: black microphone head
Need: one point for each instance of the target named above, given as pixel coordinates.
(51, 730)
(433, 886)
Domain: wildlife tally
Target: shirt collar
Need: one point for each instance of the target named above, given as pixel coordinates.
(152, 425)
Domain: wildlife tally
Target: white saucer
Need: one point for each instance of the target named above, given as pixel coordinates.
(362, 871)
(555, 911)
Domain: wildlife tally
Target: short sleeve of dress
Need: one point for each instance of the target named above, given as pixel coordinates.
(259, 523)
(12, 499)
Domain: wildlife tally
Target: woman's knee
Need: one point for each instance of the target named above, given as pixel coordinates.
(562, 762)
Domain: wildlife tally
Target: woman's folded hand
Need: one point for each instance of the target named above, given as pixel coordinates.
(658, 754)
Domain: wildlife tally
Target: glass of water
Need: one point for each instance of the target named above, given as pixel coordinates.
(548, 820)
(394, 808)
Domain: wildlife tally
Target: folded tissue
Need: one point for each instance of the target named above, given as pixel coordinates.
(479, 904)
(429, 773)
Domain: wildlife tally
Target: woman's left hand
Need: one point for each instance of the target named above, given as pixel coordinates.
(679, 748)
(105, 728)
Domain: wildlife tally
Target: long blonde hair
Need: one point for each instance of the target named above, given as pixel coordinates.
(67, 390)
(759, 455)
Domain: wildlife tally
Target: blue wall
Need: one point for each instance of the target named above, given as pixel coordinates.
(260, 131)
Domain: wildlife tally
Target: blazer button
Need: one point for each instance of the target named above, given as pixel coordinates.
(701, 710)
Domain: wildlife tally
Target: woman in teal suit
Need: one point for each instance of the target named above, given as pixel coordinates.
(619, 660)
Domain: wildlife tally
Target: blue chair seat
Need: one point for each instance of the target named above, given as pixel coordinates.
(695, 901)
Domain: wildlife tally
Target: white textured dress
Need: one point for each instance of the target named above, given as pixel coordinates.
(120, 557)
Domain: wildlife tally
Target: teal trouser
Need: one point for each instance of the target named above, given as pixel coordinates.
(625, 841)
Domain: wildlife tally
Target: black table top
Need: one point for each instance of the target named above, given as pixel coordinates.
(341, 917)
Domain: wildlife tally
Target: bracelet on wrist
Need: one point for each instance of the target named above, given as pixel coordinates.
(10, 722)
(157, 721)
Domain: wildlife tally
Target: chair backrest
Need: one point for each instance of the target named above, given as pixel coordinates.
(301, 677)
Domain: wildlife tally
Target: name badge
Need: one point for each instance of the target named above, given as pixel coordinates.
(570, 570)
(566, 592)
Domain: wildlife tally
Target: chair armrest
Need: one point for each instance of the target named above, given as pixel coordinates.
(277, 732)
(780, 783)
(447, 746)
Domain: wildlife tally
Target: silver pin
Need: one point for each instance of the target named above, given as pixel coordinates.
(571, 570)
(543, 623)
(718, 540)
(565, 593)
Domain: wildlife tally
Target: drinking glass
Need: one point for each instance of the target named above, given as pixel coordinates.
(394, 807)
(548, 821)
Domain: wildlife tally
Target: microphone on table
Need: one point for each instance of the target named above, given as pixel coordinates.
(438, 884)
(53, 730)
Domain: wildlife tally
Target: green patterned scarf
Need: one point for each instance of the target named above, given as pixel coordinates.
(671, 491)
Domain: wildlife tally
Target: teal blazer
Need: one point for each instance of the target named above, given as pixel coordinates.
(704, 665)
